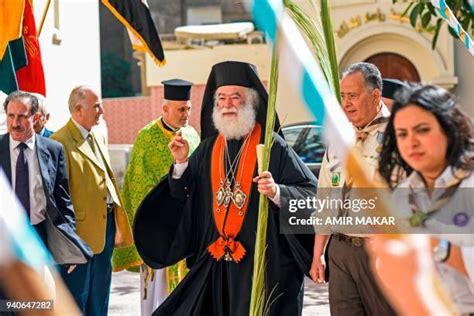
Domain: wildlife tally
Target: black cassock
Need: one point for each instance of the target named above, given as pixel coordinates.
(175, 221)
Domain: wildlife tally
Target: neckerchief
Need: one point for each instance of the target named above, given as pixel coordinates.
(229, 219)
(419, 217)
(381, 117)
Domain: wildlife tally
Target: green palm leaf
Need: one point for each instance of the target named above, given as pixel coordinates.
(258, 299)
(319, 33)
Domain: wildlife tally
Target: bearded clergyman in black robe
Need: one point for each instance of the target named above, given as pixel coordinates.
(206, 209)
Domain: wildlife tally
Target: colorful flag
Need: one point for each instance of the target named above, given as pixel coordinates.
(31, 77)
(8, 81)
(17, 49)
(11, 14)
(445, 13)
(136, 16)
(14, 59)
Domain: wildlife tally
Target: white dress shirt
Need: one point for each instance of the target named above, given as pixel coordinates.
(85, 133)
(37, 195)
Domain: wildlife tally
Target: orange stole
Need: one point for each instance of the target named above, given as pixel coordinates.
(229, 222)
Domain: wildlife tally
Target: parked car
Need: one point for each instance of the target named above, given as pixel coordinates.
(306, 140)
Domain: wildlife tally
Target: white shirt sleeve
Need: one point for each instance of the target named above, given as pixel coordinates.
(179, 169)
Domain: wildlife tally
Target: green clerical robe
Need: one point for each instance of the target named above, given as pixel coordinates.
(149, 162)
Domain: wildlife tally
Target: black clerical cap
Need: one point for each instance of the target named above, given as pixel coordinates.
(390, 86)
(232, 73)
(177, 89)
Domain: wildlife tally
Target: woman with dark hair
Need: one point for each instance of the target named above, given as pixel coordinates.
(430, 139)
(456, 126)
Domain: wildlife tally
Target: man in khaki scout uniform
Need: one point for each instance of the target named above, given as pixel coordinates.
(100, 218)
(352, 287)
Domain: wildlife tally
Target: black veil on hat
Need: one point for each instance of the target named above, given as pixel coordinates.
(390, 86)
(233, 73)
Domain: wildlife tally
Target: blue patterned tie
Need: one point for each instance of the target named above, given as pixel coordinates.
(22, 183)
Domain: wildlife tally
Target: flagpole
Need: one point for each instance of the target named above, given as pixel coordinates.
(45, 12)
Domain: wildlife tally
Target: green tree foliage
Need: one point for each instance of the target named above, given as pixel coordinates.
(115, 76)
(422, 13)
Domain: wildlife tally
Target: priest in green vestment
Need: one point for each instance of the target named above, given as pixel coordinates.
(149, 162)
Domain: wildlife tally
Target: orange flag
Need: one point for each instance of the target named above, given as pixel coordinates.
(11, 12)
(31, 77)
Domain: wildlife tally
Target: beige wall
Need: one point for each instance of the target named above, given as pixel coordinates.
(464, 64)
(195, 64)
(76, 60)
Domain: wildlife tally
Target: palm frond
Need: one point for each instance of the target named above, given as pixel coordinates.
(326, 22)
(317, 29)
(257, 298)
(271, 300)
(320, 35)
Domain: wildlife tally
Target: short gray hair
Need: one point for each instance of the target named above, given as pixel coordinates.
(43, 108)
(77, 95)
(370, 73)
(22, 95)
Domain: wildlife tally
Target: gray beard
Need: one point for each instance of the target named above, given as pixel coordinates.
(238, 127)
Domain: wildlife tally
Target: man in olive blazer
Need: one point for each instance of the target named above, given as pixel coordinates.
(100, 218)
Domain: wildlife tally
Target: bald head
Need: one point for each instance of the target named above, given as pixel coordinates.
(85, 106)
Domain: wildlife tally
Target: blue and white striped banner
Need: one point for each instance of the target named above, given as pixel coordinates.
(445, 12)
(18, 239)
(303, 72)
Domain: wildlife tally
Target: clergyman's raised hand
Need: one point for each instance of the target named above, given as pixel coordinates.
(179, 148)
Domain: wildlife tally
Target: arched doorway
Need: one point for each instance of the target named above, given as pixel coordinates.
(395, 66)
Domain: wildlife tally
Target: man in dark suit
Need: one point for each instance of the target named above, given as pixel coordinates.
(36, 168)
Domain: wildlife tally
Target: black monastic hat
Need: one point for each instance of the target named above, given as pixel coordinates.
(177, 89)
(233, 73)
(390, 86)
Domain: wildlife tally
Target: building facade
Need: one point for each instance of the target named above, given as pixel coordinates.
(365, 30)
